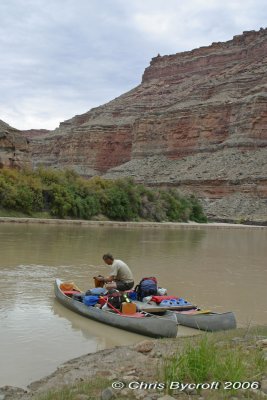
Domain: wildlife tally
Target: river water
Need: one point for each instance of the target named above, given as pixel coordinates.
(219, 269)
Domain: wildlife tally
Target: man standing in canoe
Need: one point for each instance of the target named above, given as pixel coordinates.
(120, 278)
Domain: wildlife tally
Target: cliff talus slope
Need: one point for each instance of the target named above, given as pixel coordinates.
(197, 121)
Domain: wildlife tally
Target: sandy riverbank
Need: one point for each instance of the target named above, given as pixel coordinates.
(172, 225)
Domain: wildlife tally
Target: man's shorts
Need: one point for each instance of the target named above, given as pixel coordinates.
(122, 286)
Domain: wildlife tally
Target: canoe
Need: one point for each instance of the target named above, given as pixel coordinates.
(193, 317)
(206, 321)
(143, 323)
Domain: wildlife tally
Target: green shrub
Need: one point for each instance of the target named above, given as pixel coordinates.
(65, 194)
(85, 208)
(117, 206)
(19, 194)
(8, 194)
(197, 213)
(50, 176)
(174, 206)
(61, 201)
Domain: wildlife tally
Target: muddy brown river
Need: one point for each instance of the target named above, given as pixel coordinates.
(219, 269)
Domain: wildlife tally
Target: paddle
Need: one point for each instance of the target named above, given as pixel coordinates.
(194, 312)
(203, 312)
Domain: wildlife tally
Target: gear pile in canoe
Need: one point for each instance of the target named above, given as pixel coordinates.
(155, 300)
(140, 322)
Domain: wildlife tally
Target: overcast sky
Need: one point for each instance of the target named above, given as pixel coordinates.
(60, 58)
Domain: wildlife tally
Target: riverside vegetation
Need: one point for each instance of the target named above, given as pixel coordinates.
(64, 194)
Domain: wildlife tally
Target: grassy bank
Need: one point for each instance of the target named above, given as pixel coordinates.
(217, 367)
(48, 193)
(235, 356)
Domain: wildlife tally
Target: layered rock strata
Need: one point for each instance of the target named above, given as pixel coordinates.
(14, 147)
(34, 133)
(198, 121)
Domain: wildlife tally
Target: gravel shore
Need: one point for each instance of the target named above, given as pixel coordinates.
(173, 225)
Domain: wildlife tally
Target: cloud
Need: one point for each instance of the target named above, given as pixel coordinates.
(60, 58)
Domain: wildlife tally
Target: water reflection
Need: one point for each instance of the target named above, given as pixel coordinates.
(57, 245)
(105, 335)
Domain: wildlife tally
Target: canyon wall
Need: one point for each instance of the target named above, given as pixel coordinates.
(197, 121)
(14, 147)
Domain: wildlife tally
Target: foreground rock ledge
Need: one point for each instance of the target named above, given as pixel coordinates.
(139, 362)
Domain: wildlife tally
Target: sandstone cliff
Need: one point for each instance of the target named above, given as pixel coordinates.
(197, 121)
(34, 133)
(14, 147)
